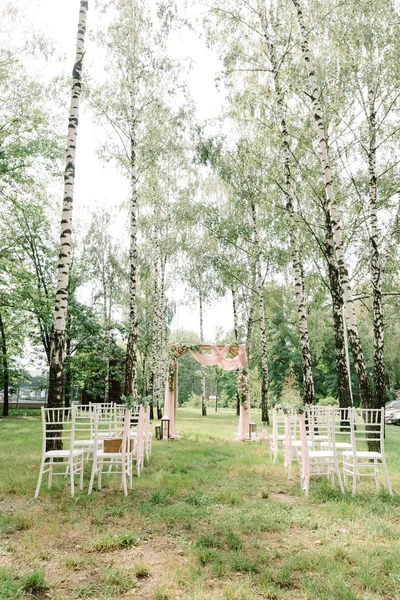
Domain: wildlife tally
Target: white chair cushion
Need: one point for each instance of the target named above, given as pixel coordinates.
(365, 454)
(62, 453)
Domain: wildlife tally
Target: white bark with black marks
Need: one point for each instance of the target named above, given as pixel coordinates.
(236, 336)
(163, 329)
(331, 206)
(376, 262)
(202, 370)
(308, 381)
(156, 317)
(57, 352)
(263, 332)
(4, 367)
(131, 348)
(342, 373)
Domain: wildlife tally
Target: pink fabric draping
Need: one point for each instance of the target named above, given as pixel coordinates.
(227, 364)
(218, 358)
(244, 420)
(169, 409)
(209, 360)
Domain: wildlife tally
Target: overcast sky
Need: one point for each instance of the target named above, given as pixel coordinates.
(98, 183)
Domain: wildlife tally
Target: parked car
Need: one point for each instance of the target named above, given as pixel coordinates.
(393, 418)
(392, 413)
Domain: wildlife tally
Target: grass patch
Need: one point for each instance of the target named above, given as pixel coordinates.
(117, 541)
(208, 518)
(119, 581)
(35, 583)
(141, 570)
(10, 587)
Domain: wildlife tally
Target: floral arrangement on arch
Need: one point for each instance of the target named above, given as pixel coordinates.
(242, 383)
(175, 352)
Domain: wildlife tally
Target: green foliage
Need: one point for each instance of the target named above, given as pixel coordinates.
(35, 583)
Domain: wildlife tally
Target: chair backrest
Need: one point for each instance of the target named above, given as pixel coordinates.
(58, 425)
(278, 424)
(321, 423)
(84, 417)
(116, 429)
(367, 428)
(342, 424)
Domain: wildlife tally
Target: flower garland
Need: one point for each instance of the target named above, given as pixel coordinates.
(175, 352)
(243, 385)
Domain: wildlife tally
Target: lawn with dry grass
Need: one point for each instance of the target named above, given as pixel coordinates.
(208, 518)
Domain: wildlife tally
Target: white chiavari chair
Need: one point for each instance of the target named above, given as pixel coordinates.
(114, 451)
(367, 455)
(318, 462)
(58, 427)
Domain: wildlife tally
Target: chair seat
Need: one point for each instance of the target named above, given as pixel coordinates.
(102, 454)
(320, 454)
(365, 454)
(338, 445)
(83, 442)
(63, 453)
(297, 443)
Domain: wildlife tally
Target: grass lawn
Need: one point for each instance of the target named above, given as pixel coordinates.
(208, 518)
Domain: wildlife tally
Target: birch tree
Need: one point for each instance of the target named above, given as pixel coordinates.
(57, 351)
(332, 208)
(309, 397)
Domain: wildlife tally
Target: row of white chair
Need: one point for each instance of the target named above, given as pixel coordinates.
(102, 433)
(321, 438)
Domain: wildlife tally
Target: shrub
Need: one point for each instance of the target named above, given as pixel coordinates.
(328, 401)
(194, 400)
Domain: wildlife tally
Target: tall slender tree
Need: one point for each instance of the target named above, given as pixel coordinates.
(309, 396)
(331, 206)
(57, 352)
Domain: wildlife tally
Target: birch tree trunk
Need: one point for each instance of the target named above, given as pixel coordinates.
(4, 361)
(358, 357)
(156, 319)
(163, 329)
(67, 365)
(342, 374)
(308, 381)
(250, 316)
(131, 348)
(202, 370)
(376, 262)
(263, 333)
(57, 352)
(107, 321)
(236, 335)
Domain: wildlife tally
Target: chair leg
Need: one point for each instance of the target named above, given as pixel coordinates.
(124, 481)
(81, 474)
(40, 478)
(99, 474)
(376, 474)
(353, 491)
(290, 467)
(94, 469)
(50, 481)
(337, 470)
(72, 474)
(388, 484)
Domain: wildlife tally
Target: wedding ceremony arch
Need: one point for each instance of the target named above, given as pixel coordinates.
(216, 357)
